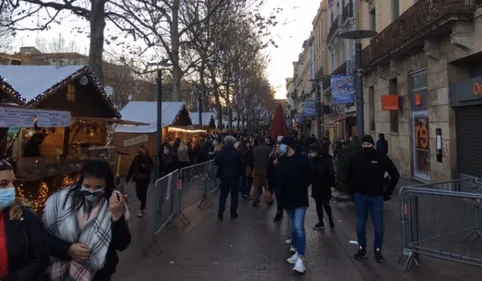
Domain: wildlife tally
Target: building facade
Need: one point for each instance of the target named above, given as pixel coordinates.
(422, 85)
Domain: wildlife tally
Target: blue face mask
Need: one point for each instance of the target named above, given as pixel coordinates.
(7, 197)
(91, 196)
(283, 149)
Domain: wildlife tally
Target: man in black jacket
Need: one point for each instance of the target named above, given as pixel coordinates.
(230, 169)
(382, 144)
(366, 179)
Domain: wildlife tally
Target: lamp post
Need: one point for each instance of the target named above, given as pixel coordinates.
(160, 67)
(357, 35)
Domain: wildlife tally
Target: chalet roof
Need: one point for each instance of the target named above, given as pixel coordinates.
(146, 112)
(30, 84)
(206, 118)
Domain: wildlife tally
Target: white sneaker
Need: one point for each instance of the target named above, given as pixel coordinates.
(288, 241)
(299, 266)
(293, 258)
(292, 250)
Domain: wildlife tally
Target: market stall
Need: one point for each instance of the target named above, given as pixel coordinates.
(175, 123)
(49, 156)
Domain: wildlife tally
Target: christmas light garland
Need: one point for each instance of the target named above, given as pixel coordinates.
(38, 201)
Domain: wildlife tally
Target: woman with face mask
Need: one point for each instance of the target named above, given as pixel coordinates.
(87, 225)
(24, 255)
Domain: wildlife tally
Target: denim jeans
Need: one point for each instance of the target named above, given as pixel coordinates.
(296, 218)
(365, 204)
(227, 188)
(246, 183)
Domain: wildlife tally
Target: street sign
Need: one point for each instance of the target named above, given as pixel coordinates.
(136, 140)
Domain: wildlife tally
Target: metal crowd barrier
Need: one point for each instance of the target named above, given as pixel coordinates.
(441, 222)
(178, 190)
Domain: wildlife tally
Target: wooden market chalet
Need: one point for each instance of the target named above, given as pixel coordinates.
(56, 151)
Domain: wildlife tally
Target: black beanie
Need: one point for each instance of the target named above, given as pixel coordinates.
(368, 138)
(289, 141)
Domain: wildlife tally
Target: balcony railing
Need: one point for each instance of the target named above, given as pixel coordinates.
(421, 18)
(347, 12)
(333, 28)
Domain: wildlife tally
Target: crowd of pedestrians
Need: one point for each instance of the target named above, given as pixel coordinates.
(258, 167)
(85, 225)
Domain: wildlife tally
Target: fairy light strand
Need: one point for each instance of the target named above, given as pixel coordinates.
(38, 201)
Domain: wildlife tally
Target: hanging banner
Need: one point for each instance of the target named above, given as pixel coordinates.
(299, 118)
(343, 88)
(309, 108)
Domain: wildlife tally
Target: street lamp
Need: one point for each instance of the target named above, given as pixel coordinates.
(162, 65)
(357, 35)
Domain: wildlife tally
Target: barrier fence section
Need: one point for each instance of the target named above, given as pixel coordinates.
(180, 189)
(440, 221)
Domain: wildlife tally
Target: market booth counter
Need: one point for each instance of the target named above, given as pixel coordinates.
(176, 122)
(50, 157)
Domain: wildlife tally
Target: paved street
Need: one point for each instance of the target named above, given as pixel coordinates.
(253, 248)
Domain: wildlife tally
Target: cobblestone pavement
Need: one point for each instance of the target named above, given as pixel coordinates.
(253, 248)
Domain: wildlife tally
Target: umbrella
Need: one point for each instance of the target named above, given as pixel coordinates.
(278, 126)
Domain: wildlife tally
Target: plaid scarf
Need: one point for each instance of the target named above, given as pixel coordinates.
(78, 226)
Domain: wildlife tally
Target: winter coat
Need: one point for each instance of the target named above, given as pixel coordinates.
(323, 177)
(141, 168)
(28, 252)
(294, 177)
(367, 173)
(183, 153)
(230, 164)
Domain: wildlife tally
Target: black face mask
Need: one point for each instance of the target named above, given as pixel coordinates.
(367, 149)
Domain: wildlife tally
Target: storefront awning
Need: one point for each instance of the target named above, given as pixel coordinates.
(108, 120)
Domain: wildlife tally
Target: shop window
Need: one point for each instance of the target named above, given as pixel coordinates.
(371, 107)
(395, 9)
(393, 90)
(420, 127)
(71, 92)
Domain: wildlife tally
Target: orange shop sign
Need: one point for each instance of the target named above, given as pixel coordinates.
(390, 102)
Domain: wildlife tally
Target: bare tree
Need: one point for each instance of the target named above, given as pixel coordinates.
(56, 45)
(95, 12)
(6, 38)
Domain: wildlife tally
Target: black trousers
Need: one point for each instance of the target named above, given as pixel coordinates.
(321, 205)
(141, 192)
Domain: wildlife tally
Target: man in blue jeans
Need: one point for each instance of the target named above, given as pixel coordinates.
(367, 180)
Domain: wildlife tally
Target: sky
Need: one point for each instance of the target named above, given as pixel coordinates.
(296, 24)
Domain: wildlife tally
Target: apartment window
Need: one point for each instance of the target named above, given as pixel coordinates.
(71, 92)
(338, 9)
(395, 9)
(393, 90)
(371, 107)
(331, 17)
(373, 19)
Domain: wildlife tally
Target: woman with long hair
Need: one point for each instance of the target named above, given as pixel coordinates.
(24, 255)
(87, 225)
(323, 181)
(140, 171)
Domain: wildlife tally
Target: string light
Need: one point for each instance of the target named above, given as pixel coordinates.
(7, 88)
(38, 201)
(194, 131)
